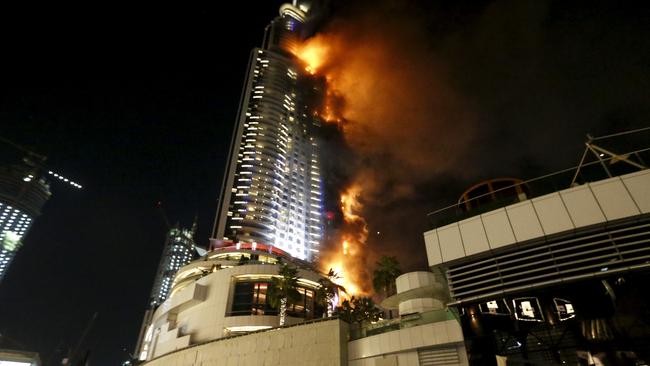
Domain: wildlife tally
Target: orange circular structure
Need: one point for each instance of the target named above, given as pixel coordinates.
(493, 190)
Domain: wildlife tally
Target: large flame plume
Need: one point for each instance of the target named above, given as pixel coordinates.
(346, 256)
(398, 114)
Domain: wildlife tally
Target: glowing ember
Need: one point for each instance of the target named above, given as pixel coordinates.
(313, 53)
(349, 285)
(350, 204)
(346, 259)
(398, 113)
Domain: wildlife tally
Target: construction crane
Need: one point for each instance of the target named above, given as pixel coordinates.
(36, 165)
(606, 158)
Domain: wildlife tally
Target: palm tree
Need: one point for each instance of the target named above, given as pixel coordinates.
(327, 290)
(366, 310)
(284, 290)
(383, 278)
(359, 310)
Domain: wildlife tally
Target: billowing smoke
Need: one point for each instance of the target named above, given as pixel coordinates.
(434, 96)
(399, 117)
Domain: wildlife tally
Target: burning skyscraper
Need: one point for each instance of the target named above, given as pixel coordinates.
(272, 190)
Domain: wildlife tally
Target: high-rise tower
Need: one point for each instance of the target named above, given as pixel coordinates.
(22, 195)
(178, 251)
(272, 188)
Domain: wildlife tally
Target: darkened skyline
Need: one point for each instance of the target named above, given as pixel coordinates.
(138, 105)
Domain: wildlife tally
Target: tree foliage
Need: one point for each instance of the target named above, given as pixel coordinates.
(284, 290)
(327, 290)
(383, 278)
(359, 310)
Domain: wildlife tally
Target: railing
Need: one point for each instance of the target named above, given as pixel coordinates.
(253, 312)
(405, 321)
(588, 172)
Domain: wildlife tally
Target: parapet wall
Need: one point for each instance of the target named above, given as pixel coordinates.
(321, 343)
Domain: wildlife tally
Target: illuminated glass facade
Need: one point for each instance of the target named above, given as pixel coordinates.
(272, 189)
(21, 198)
(178, 251)
(13, 225)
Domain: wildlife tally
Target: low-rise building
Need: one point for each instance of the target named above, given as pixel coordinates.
(552, 277)
(226, 293)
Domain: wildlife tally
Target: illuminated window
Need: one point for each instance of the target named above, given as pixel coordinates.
(250, 299)
(306, 307)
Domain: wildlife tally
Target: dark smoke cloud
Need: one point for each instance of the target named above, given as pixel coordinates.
(441, 95)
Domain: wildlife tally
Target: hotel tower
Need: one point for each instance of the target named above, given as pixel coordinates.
(272, 189)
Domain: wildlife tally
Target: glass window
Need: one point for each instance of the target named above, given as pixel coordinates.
(250, 299)
(306, 306)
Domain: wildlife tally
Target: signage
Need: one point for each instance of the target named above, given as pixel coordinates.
(494, 307)
(564, 309)
(528, 309)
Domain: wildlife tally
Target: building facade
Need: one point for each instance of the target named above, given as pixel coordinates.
(219, 313)
(555, 278)
(224, 294)
(425, 333)
(22, 196)
(272, 190)
(179, 250)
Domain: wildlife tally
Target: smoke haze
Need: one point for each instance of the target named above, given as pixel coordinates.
(433, 101)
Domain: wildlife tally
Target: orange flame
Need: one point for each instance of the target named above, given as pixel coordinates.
(346, 260)
(313, 53)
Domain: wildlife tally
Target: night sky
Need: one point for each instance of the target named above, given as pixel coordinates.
(138, 104)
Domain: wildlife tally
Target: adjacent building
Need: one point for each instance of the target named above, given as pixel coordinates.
(425, 333)
(219, 313)
(178, 251)
(22, 196)
(550, 276)
(226, 294)
(272, 191)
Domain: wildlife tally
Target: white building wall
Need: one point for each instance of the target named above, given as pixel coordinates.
(198, 312)
(569, 209)
(474, 237)
(320, 344)
(414, 280)
(401, 345)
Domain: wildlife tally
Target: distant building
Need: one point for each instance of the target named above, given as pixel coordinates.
(272, 191)
(178, 251)
(22, 196)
